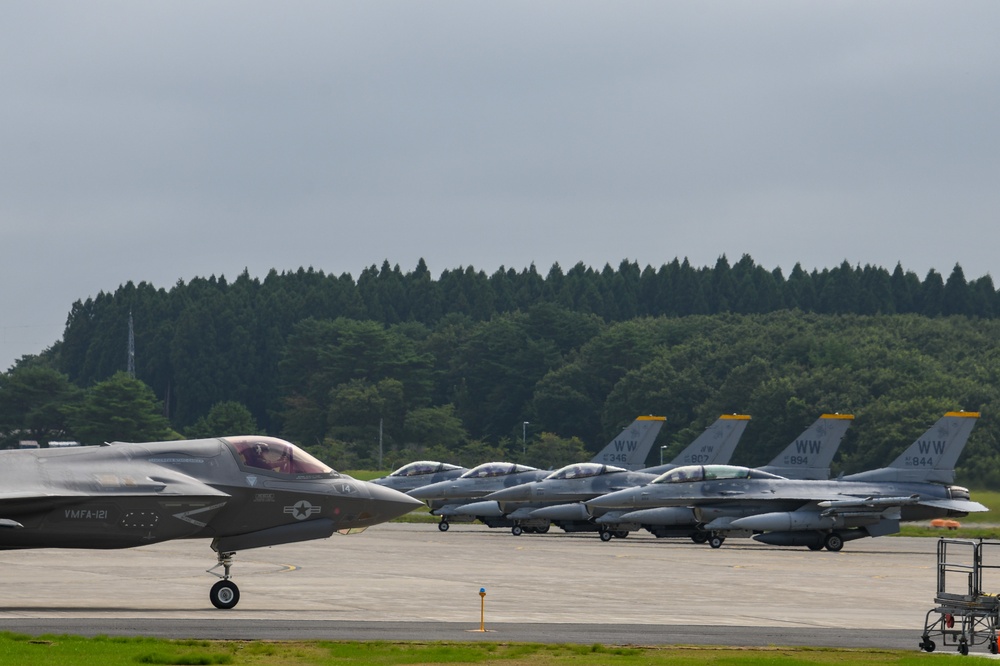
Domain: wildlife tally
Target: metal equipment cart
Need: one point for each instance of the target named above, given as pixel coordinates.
(966, 613)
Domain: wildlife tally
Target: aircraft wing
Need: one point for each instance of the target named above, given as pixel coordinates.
(108, 484)
(965, 506)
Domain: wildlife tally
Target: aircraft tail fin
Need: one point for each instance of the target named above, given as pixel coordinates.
(932, 457)
(630, 448)
(714, 446)
(809, 455)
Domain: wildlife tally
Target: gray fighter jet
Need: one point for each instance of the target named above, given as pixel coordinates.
(817, 514)
(629, 450)
(419, 474)
(240, 492)
(558, 497)
(807, 457)
(446, 498)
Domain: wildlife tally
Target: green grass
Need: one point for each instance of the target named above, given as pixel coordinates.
(989, 498)
(364, 474)
(103, 651)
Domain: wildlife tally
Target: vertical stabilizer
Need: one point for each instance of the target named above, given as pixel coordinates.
(809, 455)
(715, 446)
(630, 448)
(932, 457)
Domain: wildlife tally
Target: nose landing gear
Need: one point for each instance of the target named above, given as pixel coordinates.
(224, 594)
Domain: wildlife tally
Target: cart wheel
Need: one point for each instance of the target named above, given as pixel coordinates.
(928, 645)
(963, 649)
(993, 647)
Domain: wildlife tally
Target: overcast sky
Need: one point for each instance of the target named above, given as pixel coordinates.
(161, 141)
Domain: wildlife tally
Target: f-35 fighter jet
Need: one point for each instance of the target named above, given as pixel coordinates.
(240, 492)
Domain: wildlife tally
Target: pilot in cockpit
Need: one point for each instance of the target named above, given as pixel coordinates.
(262, 456)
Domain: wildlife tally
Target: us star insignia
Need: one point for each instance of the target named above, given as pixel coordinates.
(301, 510)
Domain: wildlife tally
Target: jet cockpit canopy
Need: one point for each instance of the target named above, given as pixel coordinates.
(276, 455)
(422, 467)
(693, 473)
(491, 469)
(583, 470)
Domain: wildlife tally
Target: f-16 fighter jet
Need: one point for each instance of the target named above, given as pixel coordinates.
(419, 474)
(626, 451)
(816, 514)
(559, 496)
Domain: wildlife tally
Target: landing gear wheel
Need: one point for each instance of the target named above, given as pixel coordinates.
(606, 535)
(224, 594)
(927, 645)
(833, 542)
(620, 534)
(815, 546)
(443, 526)
(516, 530)
(699, 537)
(716, 541)
(542, 530)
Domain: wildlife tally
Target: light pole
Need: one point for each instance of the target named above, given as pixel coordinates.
(524, 438)
(661, 452)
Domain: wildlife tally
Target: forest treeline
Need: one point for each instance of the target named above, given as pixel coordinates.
(453, 368)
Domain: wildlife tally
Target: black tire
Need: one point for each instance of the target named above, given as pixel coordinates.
(620, 534)
(542, 530)
(699, 537)
(716, 541)
(516, 530)
(224, 594)
(928, 645)
(833, 542)
(963, 649)
(815, 546)
(606, 535)
(993, 647)
(443, 526)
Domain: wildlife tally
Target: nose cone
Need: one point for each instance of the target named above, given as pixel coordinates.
(487, 509)
(388, 503)
(432, 491)
(622, 499)
(513, 494)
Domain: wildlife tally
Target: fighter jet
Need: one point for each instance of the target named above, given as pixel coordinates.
(240, 492)
(818, 514)
(418, 474)
(807, 457)
(629, 450)
(445, 498)
(558, 497)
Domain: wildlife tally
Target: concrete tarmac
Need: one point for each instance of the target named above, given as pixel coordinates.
(413, 582)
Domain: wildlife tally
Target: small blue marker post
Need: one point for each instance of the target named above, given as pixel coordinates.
(482, 609)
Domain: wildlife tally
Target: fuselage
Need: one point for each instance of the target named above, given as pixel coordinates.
(124, 495)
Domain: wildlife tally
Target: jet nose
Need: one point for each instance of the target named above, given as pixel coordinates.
(622, 499)
(514, 493)
(388, 503)
(430, 491)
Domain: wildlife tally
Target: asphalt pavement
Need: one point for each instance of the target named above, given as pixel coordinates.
(412, 582)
